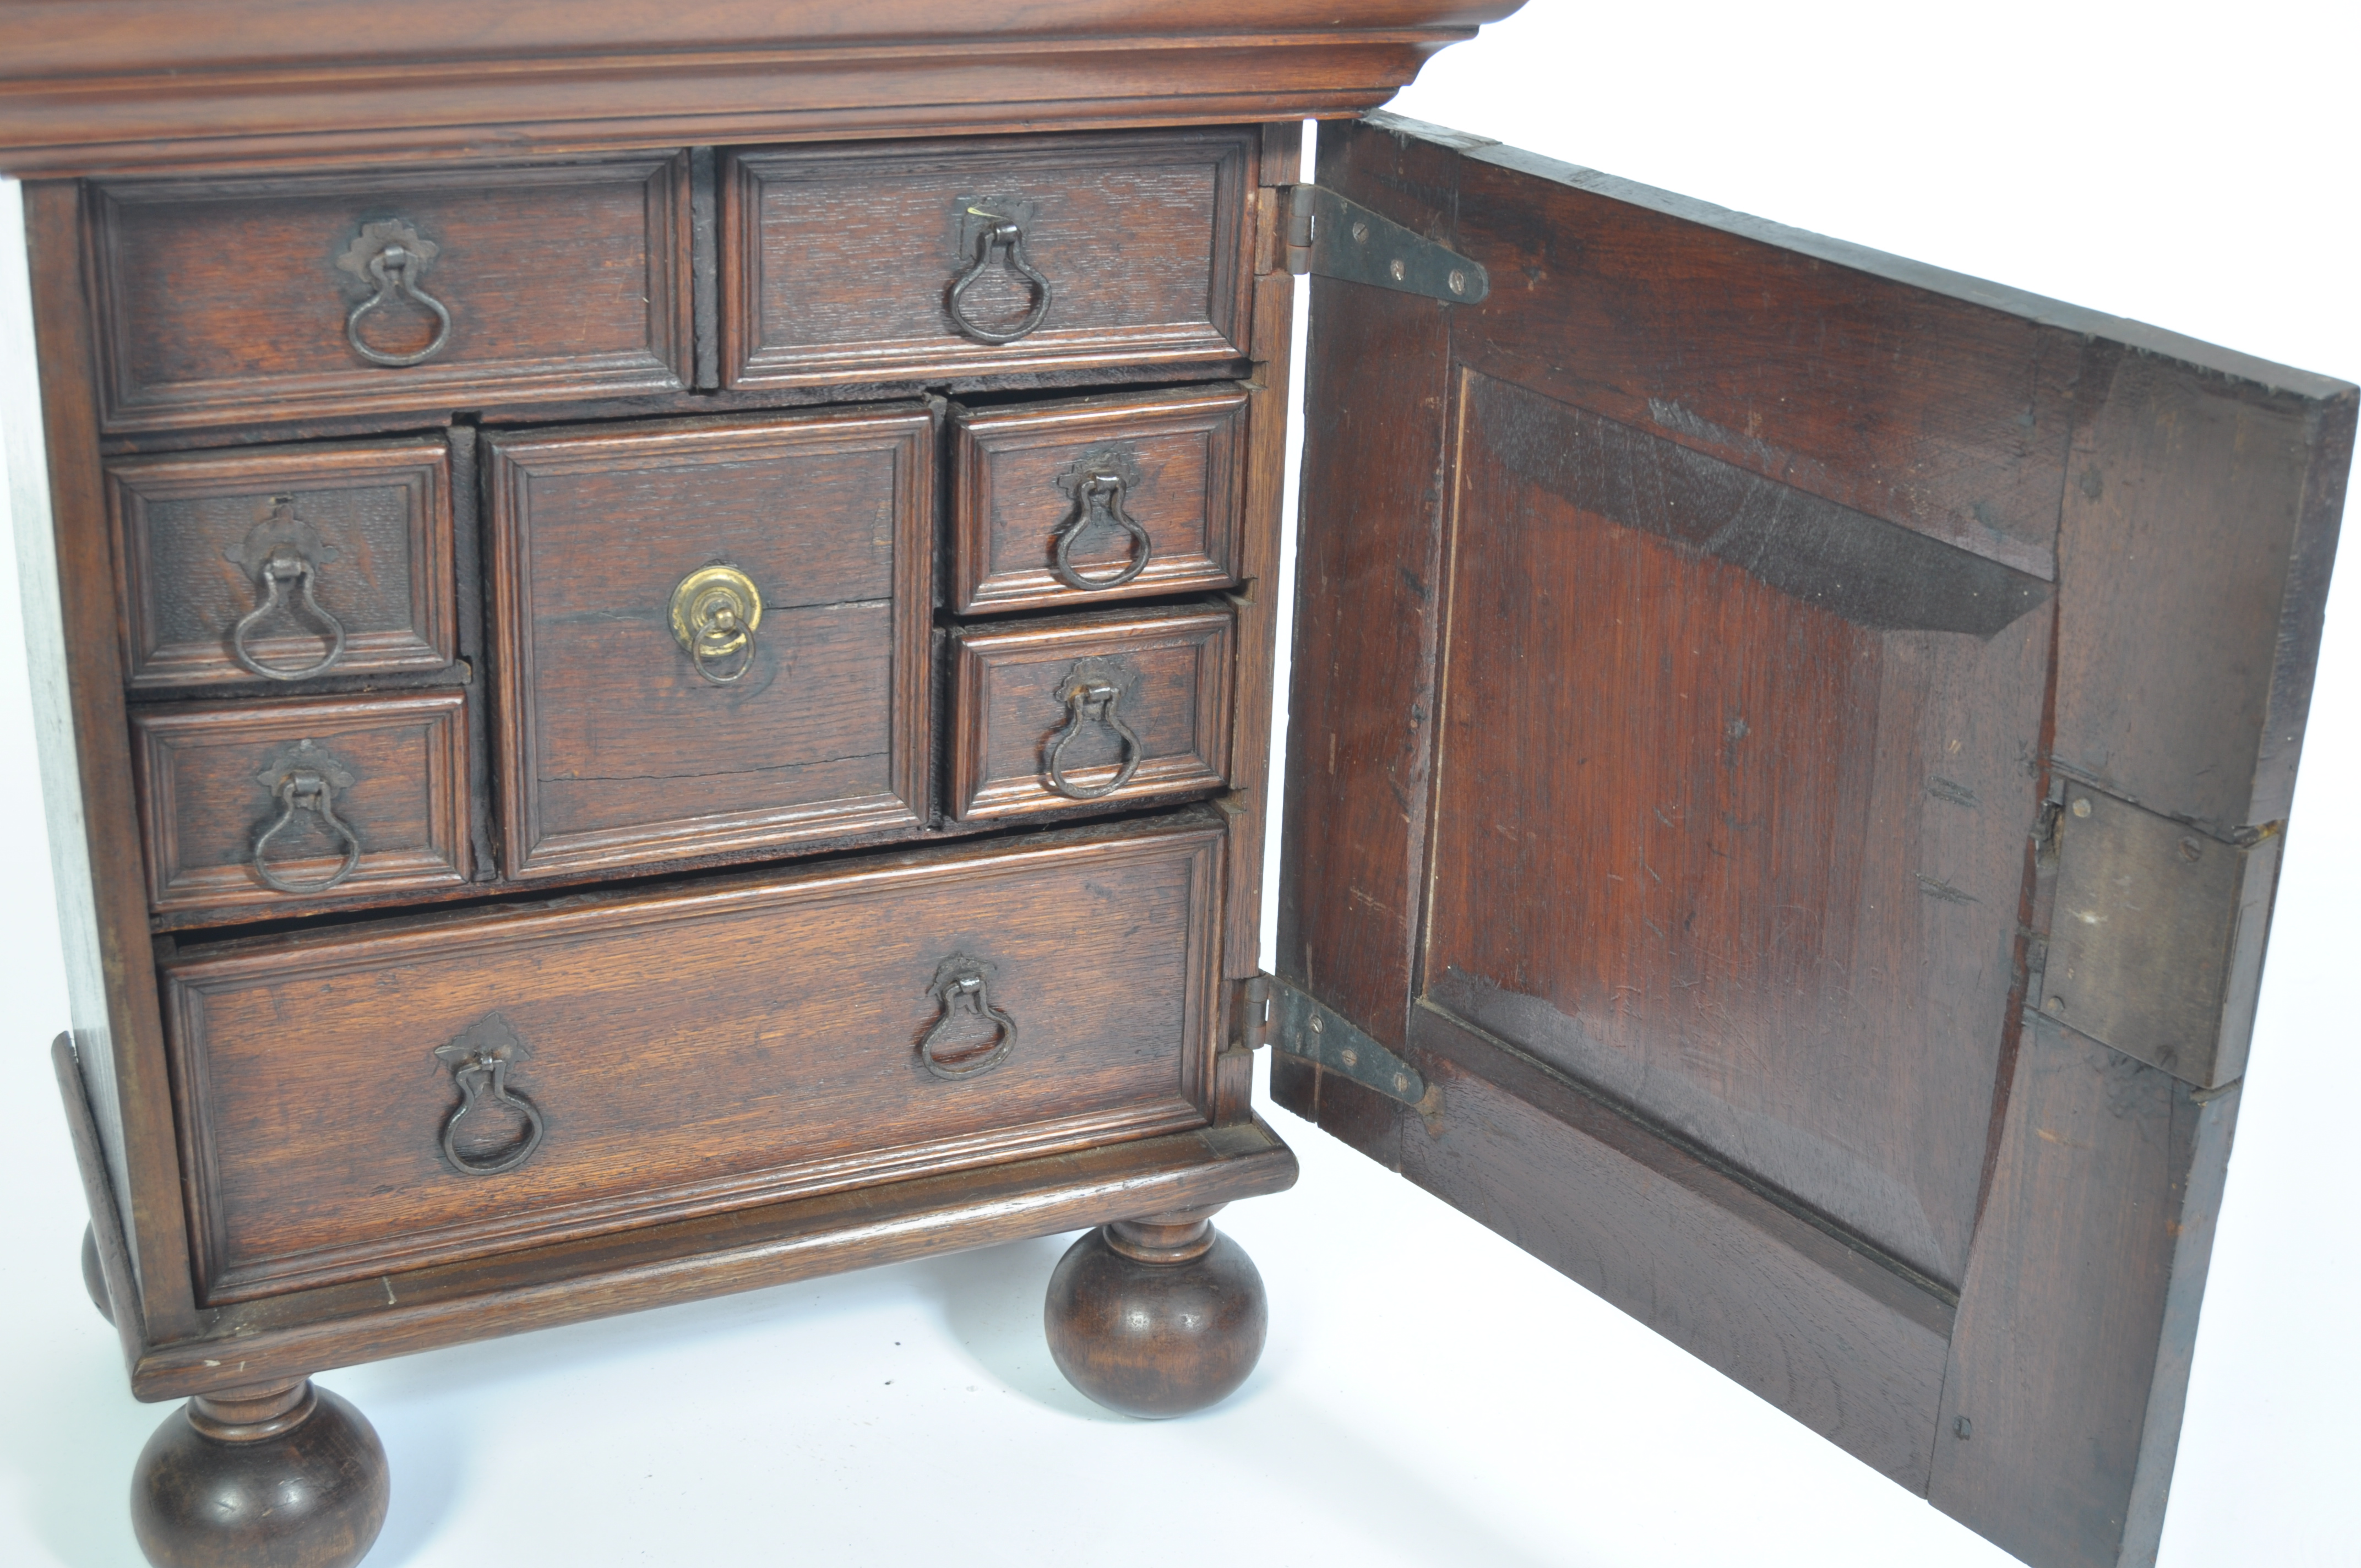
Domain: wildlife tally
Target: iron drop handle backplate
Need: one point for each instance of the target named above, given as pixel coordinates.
(1098, 495)
(964, 984)
(299, 790)
(1091, 695)
(479, 1060)
(389, 256)
(1005, 234)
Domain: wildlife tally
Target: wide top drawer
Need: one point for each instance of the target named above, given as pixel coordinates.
(321, 295)
(984, 254)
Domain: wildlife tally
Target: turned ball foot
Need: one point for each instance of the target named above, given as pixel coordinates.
(285, 1477)
(1157, 1319)
(93, 1277)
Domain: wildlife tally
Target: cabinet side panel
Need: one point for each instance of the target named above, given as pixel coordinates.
(73, 655)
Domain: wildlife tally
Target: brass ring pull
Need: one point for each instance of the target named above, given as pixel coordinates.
(714, 612)
(1091, 700)
(1098, 495)
(304, 789)
(1000, 235)
(960, 979)
(285, 564)
(392, 256)
(479, 1061)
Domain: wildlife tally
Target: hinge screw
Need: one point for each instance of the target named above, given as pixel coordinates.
(1360, 234)
(1348, 1056)
(2191, 850)
(2082, 807)
(1458, 282)
(1396, 267)
(1315, 1023)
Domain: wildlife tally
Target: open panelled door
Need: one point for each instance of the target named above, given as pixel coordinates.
(1791, 747)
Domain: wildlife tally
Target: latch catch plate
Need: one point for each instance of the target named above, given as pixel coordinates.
(1330, 236)
(1288, 1019)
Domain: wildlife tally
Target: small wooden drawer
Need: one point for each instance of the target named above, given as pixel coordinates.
(1099, 498)
(710, 636)
(847, 263)
(1089, 709)
(308, 296)
(364, 1099)
(312, 803)
(283, 563)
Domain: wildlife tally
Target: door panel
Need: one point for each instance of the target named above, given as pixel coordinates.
(1707, 648)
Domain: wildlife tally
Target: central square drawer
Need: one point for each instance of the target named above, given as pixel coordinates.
(710, 636)
(362, 1099)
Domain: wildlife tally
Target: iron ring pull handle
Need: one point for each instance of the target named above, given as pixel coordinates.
(305, 790)
(476, 1076)
(286, 563)
(392, 267)
(964, 983)
(1009, 236)
(1107, 487)
(1093, 702)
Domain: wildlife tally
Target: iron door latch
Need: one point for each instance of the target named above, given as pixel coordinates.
(1275, 1014)
(1329, 236)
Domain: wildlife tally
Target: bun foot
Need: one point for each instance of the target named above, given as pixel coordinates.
(290, 1477)
(1154, 1317)
(93, 1277)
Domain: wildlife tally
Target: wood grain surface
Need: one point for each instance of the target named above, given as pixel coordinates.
(1013, 470)
(1171, 668)
(1760, 609)
(614, 749)
(130, 83)
(381, 511)
(223, 299)
(206, 780)
(692, 1050)
(837, 262)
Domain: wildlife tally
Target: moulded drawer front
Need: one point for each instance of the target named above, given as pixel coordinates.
(308, 804)
(283, 563)
(1112, 707)
(687, 1052)
(320, 295)
(1097, 498)
(847, 263)
(710, 635)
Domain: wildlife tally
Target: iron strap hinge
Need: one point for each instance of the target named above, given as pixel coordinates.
(1329, 236)
(1271, 1012)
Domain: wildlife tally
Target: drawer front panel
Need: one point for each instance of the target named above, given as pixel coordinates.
(1100, 498)
(668, 1055)
(624, 742)
(309, 804)
(846, 264)
(227, 300)
(283, 563)
(1109, 708)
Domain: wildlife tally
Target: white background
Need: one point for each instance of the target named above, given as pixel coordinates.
(1430, 1395)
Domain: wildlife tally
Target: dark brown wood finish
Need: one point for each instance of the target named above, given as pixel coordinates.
(149, 83)
(118, 1034)
(287, 1474)
(193, 533)
(1018, 706)
(1157, 1317)
(838, 263)
(687, 1051)
(1016, 490)
(618, 748)
(1703, 645)
(210, 782)
(231, 299)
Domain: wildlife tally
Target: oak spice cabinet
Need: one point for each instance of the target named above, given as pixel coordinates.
(739, 556)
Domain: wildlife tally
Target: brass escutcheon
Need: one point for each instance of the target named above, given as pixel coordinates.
(715, 610)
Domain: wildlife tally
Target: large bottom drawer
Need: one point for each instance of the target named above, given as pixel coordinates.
(368, 1099)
